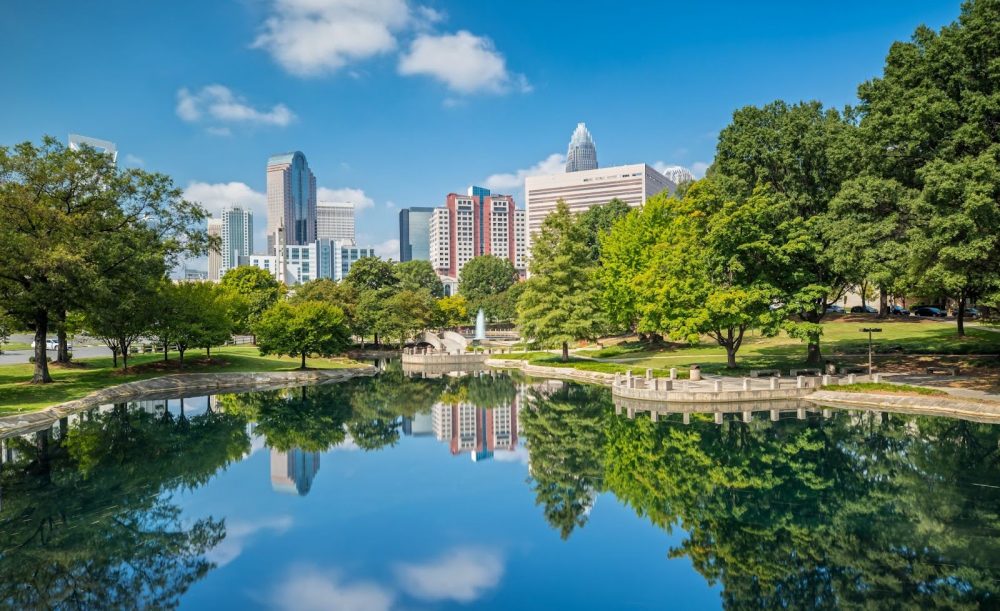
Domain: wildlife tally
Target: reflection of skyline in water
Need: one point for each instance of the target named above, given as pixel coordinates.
(478, 431)
(293, 472)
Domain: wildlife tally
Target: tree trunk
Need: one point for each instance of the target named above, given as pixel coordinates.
(730, 356)
(565, 351)
(41, 374)
(165, 350)
(181, 351)
(961, 314)
(124, 357)
(883, 304)
(864, 297)
(208, 352)
(376, 340)
(114, 358)
(813, 356)
(62, 352)
(303, 360)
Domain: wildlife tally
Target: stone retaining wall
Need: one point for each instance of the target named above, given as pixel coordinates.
(440, 358)
(565, 373)
(940, 405)
(175, 385)
(709, 396)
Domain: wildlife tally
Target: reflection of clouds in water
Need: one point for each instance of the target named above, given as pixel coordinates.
(518, 454)
(347, 445)
(257, 442)
(238, 532)
(462, 575)
(306, 588)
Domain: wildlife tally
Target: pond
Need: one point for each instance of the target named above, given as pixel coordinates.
(489, 491)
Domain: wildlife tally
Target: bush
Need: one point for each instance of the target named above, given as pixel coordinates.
(48, 359)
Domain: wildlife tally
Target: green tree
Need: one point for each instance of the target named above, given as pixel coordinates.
(253, 291)
(931, 121)
(419, 275)
(560, 302)
(482, 279)
(70, 220)
(341, 294)
(372, 274)
(405, 313)
(869, 219)
(598, 221)
(120, 313)
(798, 157)
(199, 316)
(302, 329)
(453, 311)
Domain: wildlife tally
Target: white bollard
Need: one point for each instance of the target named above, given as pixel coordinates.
(649, 374)
(718, 417)
(673, 373)
(653, 415)
(747, 416)
(775, 415)
(774, 383)
(850, 378)
(827, 413)
(717, 386)
(826, 379)
(800, 381)
(746, 383)
(800, 413)
(687, 418)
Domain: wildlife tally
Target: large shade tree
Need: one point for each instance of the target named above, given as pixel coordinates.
(561, 301)
(932, 120)
(70, 219)
(302, 329)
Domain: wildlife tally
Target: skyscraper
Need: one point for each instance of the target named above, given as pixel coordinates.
(293, 472)
(582, 154)
(237, 237)
(215, 256)
(335, 221)
(414, 234)
(473, 225)
(291, 199)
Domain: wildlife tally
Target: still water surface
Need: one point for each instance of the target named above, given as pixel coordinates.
(492, 492)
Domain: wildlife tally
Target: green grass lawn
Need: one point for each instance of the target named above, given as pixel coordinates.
(15, 346)
(88, 375)
(842, 341)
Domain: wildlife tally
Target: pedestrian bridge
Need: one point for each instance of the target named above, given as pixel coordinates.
(447, 341)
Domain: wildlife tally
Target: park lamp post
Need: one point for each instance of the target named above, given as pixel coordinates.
(869, 331)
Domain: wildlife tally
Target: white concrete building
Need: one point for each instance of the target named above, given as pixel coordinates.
(633, 184)
(298, 264)
(335, 221)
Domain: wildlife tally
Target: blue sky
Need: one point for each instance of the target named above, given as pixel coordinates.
(398, 103)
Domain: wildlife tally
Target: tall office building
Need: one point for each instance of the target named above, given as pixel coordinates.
(105, 146)
(293, 472)
(414, 234)
(291, 199)
(582, 154)
(335, 221)
(633, 184)
(473, 225)
(237, 237)
(214, 256)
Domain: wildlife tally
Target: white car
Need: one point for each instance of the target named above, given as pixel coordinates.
(53, 344)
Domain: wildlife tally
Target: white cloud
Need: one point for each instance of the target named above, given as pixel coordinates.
(307, 589)
(466, 63)
(519, 455)
(218, 104)
(513, 181)
(462, 575)
(312, 37)
(131, 159)
(388, 249)
(238, 534)
(216, 196)
(699, 168)
(356, 196)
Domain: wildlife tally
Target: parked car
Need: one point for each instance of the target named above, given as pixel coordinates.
(834, 309)
(973, 313)
(898, 311)
(865, 309)
(53, 344)
(929, 311)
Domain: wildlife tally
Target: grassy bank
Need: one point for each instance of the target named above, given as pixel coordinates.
(882, 388)
(842, 342)
(87, 375)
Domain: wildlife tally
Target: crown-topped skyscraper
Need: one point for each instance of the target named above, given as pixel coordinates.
(582, 154)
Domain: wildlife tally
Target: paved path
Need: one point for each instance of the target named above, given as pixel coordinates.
(936, 382)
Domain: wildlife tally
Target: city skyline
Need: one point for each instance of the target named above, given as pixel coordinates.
(210, 112)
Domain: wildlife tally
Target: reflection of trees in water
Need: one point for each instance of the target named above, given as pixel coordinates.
(566, 436)
(87, 520)
(822, 513)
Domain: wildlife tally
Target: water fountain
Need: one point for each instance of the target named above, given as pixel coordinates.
(480, 326)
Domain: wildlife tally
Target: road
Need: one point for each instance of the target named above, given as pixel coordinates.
(81, 350)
